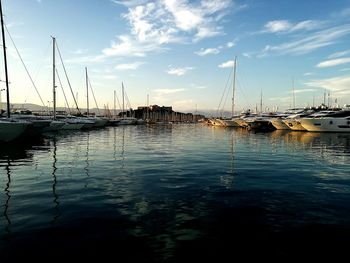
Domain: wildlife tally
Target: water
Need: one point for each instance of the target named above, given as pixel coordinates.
(176, 193)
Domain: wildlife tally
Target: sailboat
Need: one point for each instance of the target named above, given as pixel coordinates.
(126, 120)
(55, 124)
(98, 122)
(10, 129)
(231, 122)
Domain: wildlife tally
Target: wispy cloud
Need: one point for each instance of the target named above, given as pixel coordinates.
(303, 90)
(168, 91)
(308, 74)
(284, 26)
(178, 71)
(333, 62)
(231, 43)
(339, 54)
(204, 52)
(129, 66)
(154, 24)
(309, 43)
(339, 86)
(79, 51)
(227, 64)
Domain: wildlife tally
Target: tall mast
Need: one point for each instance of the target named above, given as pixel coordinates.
(5, 62)
(261, 103)
(87, 91)
(123, 98)
(115, 111)
(54, 76)
(147, 117)
(293, 93)
(234, 87)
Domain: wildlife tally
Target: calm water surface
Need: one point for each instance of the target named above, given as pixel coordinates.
(175, 193)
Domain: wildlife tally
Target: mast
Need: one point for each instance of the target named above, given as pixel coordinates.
(87, 91)
(147, 117)
(234, 87)
(5, 62)
(293, 93)
(115, 111)
(261, 103)
(123, 98)
(54, 76)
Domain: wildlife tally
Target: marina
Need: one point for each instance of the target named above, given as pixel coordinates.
(176, 192)
(174, 131)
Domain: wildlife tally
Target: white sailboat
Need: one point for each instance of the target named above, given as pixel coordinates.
(126, 120)
(10, 129)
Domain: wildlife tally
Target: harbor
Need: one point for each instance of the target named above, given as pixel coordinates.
(175, 192)
(174, 131)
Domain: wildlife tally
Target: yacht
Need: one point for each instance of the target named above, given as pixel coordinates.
(333, 122)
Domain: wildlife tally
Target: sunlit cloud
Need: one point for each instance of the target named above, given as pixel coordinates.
(339, 86)
(154, 24)
(339, 54)
(227, 64)
(129, 66)
(308, 74)
(279, 26)
(178, 71)
(303, 90)
(204, 52)
(333, 62)
(309, 43)
(168, 91)
(79, 51)
(247, 54)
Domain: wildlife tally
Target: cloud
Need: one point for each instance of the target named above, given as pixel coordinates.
(231, 43)
(339, 54)
(227, 64)
(308, 74)
(303, 90)
(333, 62)
(309, 43)
(247, 54)
(339, 86)
(168, 91)
(129, 3)
(204, 52)
(129, 66)
(79, 51)
(283, 26)
(179, 71)
(154, 24)
(128, 46)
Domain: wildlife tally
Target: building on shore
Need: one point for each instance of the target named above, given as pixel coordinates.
(155, 113)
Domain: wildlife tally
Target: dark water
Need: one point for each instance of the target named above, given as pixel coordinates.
(176, 193)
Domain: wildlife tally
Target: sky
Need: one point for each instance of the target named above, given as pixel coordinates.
(180, 53)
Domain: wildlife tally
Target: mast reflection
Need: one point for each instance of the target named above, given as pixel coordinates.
(8, 196)
(54, 184)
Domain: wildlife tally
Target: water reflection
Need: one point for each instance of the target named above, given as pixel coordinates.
(54, 183)
(332, 147)
(87, 164)
(8, 196)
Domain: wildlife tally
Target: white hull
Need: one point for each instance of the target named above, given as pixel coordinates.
(326, 124)
(279, 124)
(230, 123)
(294, 124)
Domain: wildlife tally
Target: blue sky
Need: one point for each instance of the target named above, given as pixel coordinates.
(181, 52)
